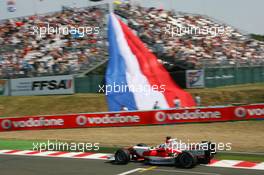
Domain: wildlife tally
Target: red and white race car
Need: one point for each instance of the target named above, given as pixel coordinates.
(168, 153)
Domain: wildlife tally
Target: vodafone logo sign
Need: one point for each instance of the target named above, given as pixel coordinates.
(31, 122)
(240, 112)
(187, 115)
(6, 124)
(160, 116)
(82, 120)
(134, 118)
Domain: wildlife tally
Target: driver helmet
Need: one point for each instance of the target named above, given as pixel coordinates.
(168, 138)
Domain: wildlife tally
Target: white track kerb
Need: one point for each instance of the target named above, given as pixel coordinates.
(106, 156)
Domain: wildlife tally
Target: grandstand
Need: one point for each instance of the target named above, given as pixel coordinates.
(25, 55)
(192, 51)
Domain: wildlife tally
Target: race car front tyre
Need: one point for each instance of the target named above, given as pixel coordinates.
(122, 156)
(186, 160)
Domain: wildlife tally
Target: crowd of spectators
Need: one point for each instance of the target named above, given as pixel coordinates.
(25, 53)
(191, 49)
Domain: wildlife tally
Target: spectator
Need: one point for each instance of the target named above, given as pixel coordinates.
(124, 108)
(177, 103)
(197, 100)
(156, 105)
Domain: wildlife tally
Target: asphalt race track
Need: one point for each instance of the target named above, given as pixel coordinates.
(24, 165)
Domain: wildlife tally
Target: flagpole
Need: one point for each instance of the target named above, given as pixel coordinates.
(111, 8)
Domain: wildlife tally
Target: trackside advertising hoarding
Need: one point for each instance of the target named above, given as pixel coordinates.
(42, 85)
(153, 117)
(195, 79)
(3, 87)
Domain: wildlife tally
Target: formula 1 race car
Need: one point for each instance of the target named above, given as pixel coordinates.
(170, 153)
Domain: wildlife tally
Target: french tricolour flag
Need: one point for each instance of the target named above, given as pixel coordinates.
(134, 77)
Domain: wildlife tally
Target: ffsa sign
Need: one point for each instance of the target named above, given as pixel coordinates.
(43, 85)
(52, 85)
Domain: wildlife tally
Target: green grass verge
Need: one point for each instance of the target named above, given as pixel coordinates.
(28, 145)
(245, 157)
(6, 144)
(16, 144)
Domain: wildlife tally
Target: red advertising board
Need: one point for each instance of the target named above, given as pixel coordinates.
(134, 118)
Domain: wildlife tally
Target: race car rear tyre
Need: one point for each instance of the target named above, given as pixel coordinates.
(186, 160)
(209, 153)
(122, 156)
(142, 144)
